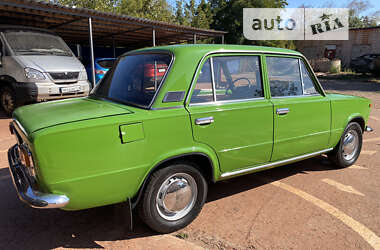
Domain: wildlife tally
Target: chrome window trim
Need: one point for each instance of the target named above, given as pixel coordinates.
(212, 79)
(274, 164)
(165, 108)
(226, 102)
(255, 52)
(303, 87)
(294, 96)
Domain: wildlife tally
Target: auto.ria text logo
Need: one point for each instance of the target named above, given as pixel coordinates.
(295, 23)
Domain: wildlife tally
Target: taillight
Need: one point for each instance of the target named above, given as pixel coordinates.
(370, 105)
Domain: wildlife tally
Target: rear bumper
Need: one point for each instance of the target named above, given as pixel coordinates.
(24, 187)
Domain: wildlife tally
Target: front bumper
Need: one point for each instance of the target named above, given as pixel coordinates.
(368, 129)
(24, 187)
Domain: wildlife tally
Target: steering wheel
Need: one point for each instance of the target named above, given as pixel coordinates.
(231, 86)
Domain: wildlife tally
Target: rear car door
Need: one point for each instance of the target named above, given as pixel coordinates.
(229, 112)
(301, 110)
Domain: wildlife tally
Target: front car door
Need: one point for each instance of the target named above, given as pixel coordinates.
(301, 110)
(229, 112)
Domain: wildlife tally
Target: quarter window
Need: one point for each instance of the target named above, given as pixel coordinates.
(203, 88)
(284, 76)
(308, 84)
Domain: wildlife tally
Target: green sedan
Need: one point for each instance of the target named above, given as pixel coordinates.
(166, 121)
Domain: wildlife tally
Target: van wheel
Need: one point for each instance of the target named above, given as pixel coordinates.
(173, 198)
(348, 149)
(8, 100)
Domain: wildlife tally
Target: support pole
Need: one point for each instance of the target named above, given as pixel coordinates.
(222, 39)
(91, 52)
(195, 38)
(113, 48)
(154, 37)
(79, 54)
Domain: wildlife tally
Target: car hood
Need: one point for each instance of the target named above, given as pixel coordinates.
(52, 63)
(42, 115)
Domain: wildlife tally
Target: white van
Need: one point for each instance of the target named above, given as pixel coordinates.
(36, 65)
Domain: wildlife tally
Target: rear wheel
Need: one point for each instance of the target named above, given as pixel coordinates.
(173, 198)
(8, 100)
(348, 149)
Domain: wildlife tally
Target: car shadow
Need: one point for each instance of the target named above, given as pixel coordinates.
(3, 115)
(24, 227)
(350, 85)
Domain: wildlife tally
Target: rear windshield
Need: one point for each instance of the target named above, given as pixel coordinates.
(106, 63)
(135, 79)
(34, 43)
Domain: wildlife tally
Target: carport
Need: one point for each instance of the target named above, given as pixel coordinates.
(89, 27)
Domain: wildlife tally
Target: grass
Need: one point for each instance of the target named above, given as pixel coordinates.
(182, 235)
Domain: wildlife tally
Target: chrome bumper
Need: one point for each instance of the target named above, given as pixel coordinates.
(23, 185)
(368, 129)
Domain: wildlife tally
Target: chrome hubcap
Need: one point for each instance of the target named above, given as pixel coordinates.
(7, 101)
(176, 196)
(350, 144)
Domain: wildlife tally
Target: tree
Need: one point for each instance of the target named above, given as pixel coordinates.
(356, 18)
(158, 10)
(228, 16)
(101, 5)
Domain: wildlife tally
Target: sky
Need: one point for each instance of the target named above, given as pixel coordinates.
(334, 3)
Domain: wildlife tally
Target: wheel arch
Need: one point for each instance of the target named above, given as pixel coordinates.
(359, 119)
(211, 171)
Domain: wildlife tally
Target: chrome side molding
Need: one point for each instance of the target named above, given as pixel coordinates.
(274, 164)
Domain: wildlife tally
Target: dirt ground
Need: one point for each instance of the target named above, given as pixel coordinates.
(306, 205)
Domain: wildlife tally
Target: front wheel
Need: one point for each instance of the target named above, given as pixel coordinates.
(348, 149)
(173, 198)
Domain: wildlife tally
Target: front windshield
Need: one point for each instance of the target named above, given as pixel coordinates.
(34, 43)
(135, 79)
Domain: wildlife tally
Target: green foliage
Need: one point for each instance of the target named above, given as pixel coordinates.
(228, 16)
(356, 19)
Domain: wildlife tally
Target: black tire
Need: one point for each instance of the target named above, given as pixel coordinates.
(343, 159)
(8, 100)
(149, 208)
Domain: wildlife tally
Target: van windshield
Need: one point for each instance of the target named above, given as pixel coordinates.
(135, 79)
(34, 43)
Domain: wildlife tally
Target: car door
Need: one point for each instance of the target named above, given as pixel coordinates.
(229, 112)
(301, 110)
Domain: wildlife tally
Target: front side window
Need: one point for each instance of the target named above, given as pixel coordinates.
(308, 84)
(235, 78)
(135, 79)
(284, 76)
(34, 43)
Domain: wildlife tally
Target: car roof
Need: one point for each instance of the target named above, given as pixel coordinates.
(203, 49)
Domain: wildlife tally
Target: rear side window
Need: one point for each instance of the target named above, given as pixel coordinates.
(237, 77)
(228, 78)
(284, 76)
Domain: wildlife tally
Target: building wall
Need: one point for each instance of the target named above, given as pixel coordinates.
(361, 41)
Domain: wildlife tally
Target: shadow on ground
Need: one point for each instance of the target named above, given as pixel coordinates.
(350, 85)
(22, 227)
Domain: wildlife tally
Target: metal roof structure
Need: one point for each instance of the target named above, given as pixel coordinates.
(72, 24)
(85, 26)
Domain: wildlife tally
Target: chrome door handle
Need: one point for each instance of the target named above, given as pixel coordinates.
(282, 111)
(204, 120)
